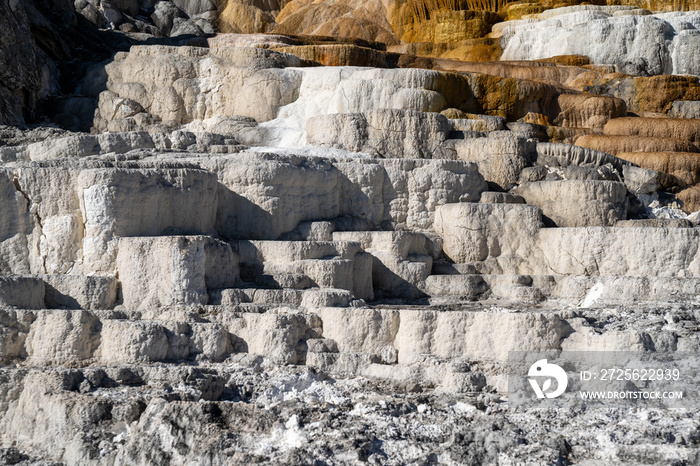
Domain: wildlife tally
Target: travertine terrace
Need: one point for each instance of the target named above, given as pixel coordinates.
(310, 232)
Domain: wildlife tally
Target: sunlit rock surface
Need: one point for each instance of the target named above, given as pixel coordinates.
(294, 232)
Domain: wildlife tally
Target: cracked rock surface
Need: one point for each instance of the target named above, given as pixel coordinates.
(291, 232)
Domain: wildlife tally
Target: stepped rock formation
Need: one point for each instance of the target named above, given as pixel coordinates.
(633, 40)
(313, 232)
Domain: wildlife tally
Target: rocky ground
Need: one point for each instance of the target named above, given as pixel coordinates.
(248, 409)
(312, 232)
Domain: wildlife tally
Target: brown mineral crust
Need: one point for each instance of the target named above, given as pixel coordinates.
(676, 128)
(445, 26)
(657, 93)
(588, 111)
(531, 70)
(690, 199)
(683, 165)
(340, 55)
(619, 144)
(341, 19)
(524, 8)
(508, 89)
(468, 50)
(568, 60)
(246, 16)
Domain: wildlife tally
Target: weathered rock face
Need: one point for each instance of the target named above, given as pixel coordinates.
(256, 196)
(574, 203)
(341, 55)
(81, 230)
(655, 94)
(635, 43)
(418, 23)
(164, 271)
(683, 165)
(488, 227)
(674, 128)
(27, 72)
(148, 19)
(501, 157)
(248, 17)
(436, 30)
(172, 87)
(563, 251)
(517, 10)
(411, 134)
(346, 18)
(263, 197)
(83, 395)
(683, 109)
(276, 247)
(367, 20)
(565, 155)
(628, 143)
(177, 85)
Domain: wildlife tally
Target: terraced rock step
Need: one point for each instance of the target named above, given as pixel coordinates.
(312, 232)
(556, 290)
(313, 297)
(59, 291)
(510, 239)
(325, 264)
